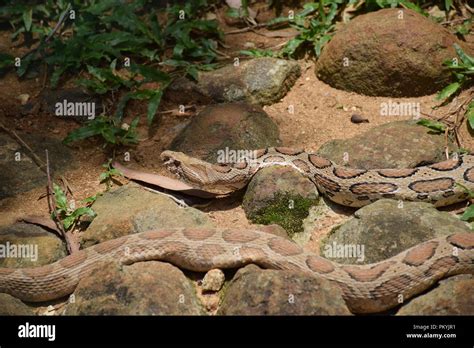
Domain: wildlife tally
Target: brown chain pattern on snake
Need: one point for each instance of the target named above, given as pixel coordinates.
(347, 186)
(366, 288)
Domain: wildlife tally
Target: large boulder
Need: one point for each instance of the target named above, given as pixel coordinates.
(226, 127)
(144, 288)
(399, 144)
(392, 52)
(10, 305)
(254, 291)
(18, 172)
(261, 81)
(130, 209)
(453, 296)
(36, 245)
(385, 228)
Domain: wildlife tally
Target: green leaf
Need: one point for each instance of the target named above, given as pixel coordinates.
(193, 72)
(28, 18)
(153, 105)
(438, 127)
(82, 133)
(470, 114)
(232, 12)
(448, 4)
(151, 74)
(448, 91)
(90, 199)
(68, 222)
(465, 58)
(103, 176)
(60, 197)
(292, 46)
(468, 214)
(83, 211)
(109, 135)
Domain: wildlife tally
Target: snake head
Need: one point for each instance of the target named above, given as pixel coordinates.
(217, 178)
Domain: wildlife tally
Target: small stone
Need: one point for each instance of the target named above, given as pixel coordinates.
(249, 44)
(355, 118)
(23, 98)
(213, 280)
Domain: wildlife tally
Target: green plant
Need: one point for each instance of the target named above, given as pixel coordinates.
(241, 12)
(462, 69)
(373, 5)
(108, 129)
(119, 46)
(435, 126)
(314, 23)
(257, 53)
(107, 177)
(468, 214)
(470, 114)
(66, 212)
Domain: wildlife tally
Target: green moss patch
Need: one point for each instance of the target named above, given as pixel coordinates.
(288, 211)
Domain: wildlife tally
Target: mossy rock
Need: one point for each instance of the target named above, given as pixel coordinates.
(280, 195)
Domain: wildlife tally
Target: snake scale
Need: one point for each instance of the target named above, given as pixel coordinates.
(366, 288)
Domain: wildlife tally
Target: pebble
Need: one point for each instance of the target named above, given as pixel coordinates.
(213, 280)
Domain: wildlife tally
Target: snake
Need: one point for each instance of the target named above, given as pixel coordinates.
(367, 288)
(370, 288)
(440, 184)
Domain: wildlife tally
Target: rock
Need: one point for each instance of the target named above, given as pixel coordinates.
(381, 54)
(130, 209)
(10, 305)
(279, 195)
(453, 296)
(213, 280)
(22, 175)
(49, 99)
(41, 247)
(233, 127)
(386, 228)
(400, 144)
(254, 291)
(143, 288)
(262, 81)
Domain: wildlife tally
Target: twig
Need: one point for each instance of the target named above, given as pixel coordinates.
(180, 202)
(71, 244)
(58, 24)
(178, 111)
(37, 160)
(454, 21)
(243, 30)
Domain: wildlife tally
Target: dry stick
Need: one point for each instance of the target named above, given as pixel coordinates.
(62, 18)
(37, 160)
(238, 31)
(71, 244)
